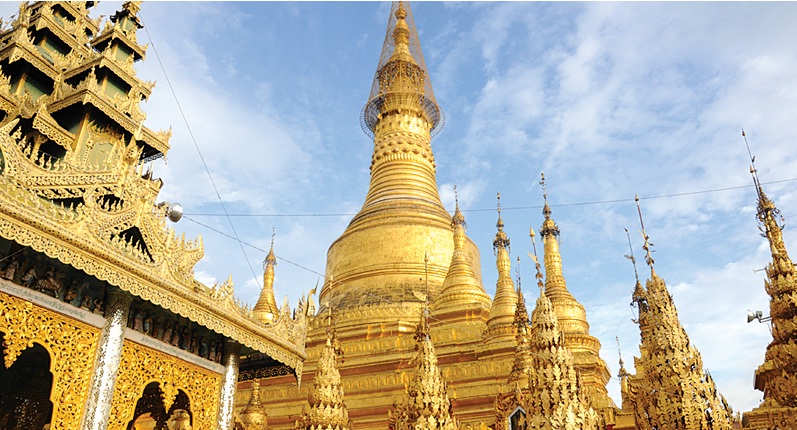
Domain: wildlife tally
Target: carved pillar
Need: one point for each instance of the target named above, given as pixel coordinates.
(231, 359)
(109, 353)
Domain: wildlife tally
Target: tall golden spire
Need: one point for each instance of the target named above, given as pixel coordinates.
(502, 312)
(571, 314)
(775, 377)
(522, 364)
(402, 213)
(572, 318)
(556, 400)
(674, 391)
(427, 406)
(266, 309)
(327, 410)
(462, 293)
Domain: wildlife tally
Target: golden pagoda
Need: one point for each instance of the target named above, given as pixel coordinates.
(572, 319)
(671, 389)
(776, 376)
(103, 325)
(401, 251)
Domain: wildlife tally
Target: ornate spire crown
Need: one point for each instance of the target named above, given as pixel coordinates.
(501, 240)
(401, 70)
(266, 309)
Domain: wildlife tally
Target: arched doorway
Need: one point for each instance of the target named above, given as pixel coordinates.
(25, 390)
(151, 414)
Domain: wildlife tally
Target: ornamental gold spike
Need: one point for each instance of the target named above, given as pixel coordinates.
(502, 312)
(673, 391)
(266, 309)
(427, 405)
(253, 416)
(775, 377)
(556, 399)
(461, 288)
(327, 409)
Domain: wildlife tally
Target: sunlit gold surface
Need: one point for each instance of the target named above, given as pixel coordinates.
(572, 320)
(427, 405)
(141, 365)
(776, 376)
(670, 389)
(265, 309)
(70, 343)
(327, 408)
(101, 161)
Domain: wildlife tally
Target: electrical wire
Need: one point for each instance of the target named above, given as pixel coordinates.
(587, 203)
(196, 145)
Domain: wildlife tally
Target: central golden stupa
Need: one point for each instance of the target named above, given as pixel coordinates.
(404, 252)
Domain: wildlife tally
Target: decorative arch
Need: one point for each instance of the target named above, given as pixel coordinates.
(150, 407)
(71, 345)
(25, 390)
(179, 381)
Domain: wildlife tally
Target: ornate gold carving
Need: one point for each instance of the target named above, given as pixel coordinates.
(71, 344)
(556, 400)
(141, 365)
(110, 228)
(427, 406)
(327, 410)
(671, 390)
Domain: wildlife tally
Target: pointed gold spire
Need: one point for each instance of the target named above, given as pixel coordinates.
(775, 377)
(462, 295)
(327, 409)
(253, 416)
(522, 363)
(502, 312)
(556, 399)
(402, 212)
(427, 406)
(572, 317)
(571, 313)
(673, 386)
(266, 309)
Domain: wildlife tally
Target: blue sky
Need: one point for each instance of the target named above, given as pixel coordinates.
(609, 99)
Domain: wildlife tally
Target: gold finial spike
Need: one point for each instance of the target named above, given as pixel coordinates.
(517, 274)
(546, 210)
(647, 246)
(620, 354)
(536, 259)
(458, 218)
(631, 255)
(544, 189)
(271, 259)
(501, 239)
(500, 223)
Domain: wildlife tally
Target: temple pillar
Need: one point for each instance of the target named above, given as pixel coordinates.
(106, 364)
(231, 359)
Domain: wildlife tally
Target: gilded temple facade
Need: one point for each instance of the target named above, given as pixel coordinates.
(103, 325)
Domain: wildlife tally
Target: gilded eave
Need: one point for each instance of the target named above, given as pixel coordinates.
(20, 46)
(112, 31)
(68, 32)
(123, 110)
(78, 237)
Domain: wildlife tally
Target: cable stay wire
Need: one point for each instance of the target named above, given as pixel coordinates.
(509, 208)
(196, 145)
